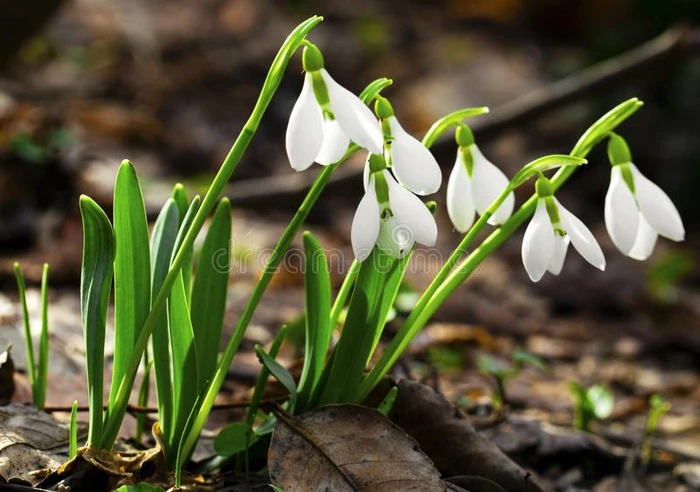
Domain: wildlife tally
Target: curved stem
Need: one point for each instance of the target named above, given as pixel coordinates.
(450, 280)
(115, 415)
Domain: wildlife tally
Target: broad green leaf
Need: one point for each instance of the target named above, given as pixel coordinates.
(209, 291)
(280, 373)
(318, 308)
(184, 360)
(95, 285)
(231, 439)
(132, 279)
(162, 243)
(377, 284)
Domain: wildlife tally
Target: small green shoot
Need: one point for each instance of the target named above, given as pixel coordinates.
(658, 407)
(37, 368)
(73, 431)
(500, 374)
(591, 404)
(388, 402)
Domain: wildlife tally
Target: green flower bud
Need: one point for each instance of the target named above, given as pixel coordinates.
(376, 163)
(464, 136)
(544, 187)
(383, 108)
(618, 150)
(311, 58)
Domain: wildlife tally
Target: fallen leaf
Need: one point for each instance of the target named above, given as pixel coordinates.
(450, 440)
(348, 448)
(32, 443)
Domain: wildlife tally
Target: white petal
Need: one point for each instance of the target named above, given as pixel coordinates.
(412, 163)
(581, 237)
(538, 243)
(487, 183)
(657, 208)
(645, 241)
(335, 143)
(355, 119)
(305, 129)
(460, 202)
(561, 246)
(365, 226)
(621, 213)
(395, 239)
(412, 213)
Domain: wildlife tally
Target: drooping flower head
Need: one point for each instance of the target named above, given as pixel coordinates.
(474, 184)
(549, 233)
(326, 117)
(411, 162)
(389, 216)
(637, 211)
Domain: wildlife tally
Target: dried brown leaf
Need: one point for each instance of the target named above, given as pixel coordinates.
(348, 448)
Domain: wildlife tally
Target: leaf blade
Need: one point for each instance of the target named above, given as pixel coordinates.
(95, 285)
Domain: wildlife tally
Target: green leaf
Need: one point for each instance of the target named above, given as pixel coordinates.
(43, 366)
(521, 357)
(95, 285)
(162, 243)
(318, 307)
(231, 439)
(280, 373)
(140, 487)
(209, 292)
(377, 285)
(132, 280)
(276, 489)
(601, 400)
(184, 360)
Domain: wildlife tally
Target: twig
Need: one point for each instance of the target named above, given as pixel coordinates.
(676, 43)
(139, 409)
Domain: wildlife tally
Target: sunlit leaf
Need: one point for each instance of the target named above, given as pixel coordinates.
(132, 279)
(317, 284)
(209, 291)
(95, 285)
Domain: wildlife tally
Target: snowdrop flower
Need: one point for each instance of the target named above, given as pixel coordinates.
(549, 233)
(326, 117)
(411, 162)
(389, 216)
(474, 184)
(636, 210)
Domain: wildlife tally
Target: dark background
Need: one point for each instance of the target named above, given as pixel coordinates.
(169, 84)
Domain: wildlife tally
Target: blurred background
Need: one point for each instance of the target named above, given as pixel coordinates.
(169, 84)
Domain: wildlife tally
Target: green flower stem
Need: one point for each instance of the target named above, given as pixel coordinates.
(114, 416)
(448, 121)
(344, 292)
(367, 95)
(448, 280)
(252, 304)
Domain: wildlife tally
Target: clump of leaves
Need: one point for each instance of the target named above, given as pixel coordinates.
(590, 404)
